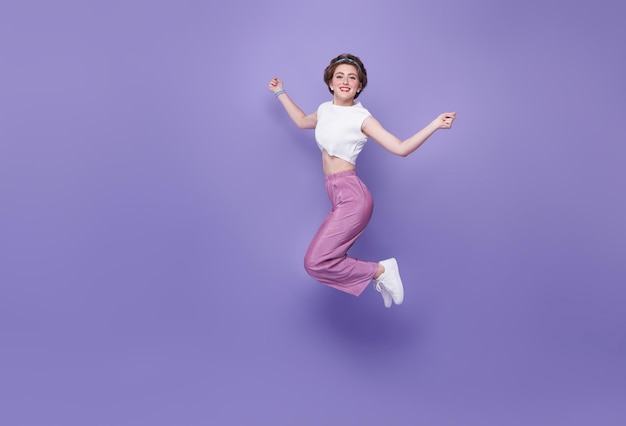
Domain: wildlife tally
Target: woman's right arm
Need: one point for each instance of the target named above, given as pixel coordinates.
(298, 116)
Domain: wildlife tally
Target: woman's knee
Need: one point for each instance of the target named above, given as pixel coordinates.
(312, 264)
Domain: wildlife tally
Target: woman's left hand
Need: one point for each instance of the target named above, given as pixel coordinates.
(444, 121)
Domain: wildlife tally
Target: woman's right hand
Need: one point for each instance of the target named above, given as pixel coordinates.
(275, 85)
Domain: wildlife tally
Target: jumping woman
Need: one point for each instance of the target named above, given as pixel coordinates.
(342, 126)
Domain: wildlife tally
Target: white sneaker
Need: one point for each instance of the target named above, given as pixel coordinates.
(390, 282)
(386, 296)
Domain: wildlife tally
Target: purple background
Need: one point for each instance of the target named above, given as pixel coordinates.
(156, 204)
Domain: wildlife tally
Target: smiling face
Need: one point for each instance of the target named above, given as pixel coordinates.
(345, 72)
(345, 83)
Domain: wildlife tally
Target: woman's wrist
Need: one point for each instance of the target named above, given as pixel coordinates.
(279, 92)
(433, 126)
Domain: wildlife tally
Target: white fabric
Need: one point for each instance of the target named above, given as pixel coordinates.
(338, 130)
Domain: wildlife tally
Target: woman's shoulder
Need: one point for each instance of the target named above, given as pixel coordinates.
(361, 109)
(325, 108)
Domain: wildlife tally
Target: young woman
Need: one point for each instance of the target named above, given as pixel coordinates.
(342, 127)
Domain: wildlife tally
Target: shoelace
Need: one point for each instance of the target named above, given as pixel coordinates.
(380, 288)
(387, 298)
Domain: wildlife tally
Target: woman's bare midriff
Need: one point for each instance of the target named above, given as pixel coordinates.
(333, 164)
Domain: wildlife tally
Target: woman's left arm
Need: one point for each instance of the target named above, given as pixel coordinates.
(373, 129)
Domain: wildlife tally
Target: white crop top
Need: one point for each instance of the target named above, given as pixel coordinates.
(338, 130)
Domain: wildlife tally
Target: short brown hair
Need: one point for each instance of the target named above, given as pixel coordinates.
(346, 58)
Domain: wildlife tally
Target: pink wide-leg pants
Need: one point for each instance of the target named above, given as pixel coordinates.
(326, 259)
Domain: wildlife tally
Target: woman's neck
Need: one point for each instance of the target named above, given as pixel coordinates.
(344, 102)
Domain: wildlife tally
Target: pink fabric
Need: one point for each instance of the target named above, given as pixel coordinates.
(326, 259)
